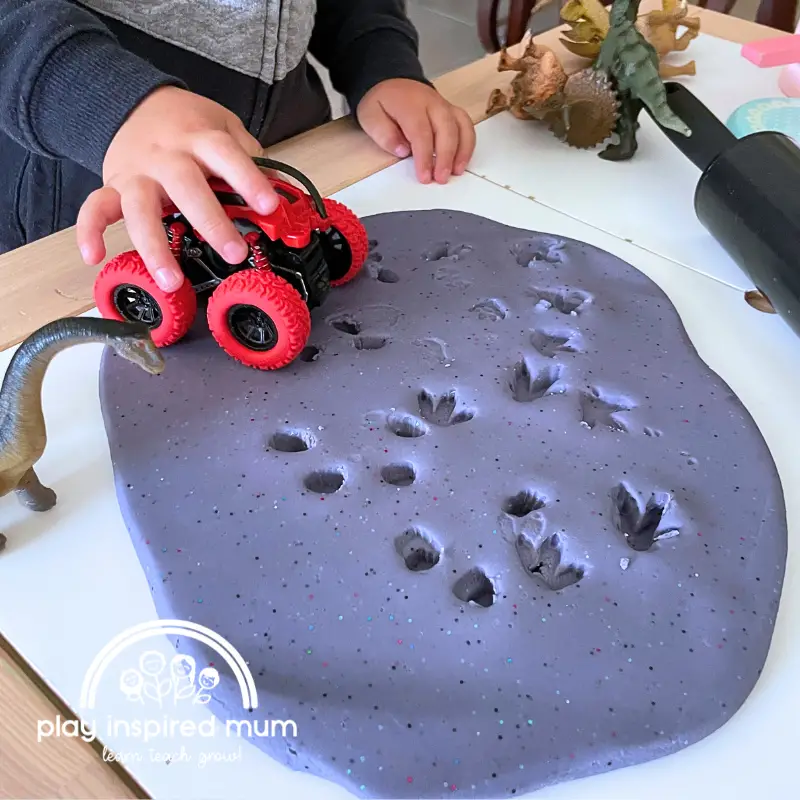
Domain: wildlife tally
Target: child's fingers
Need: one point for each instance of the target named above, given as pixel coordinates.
(446, 136)
(100, 209)
(383, 130)
(242, 137)
(189, 190)
(143, 210)
(466, 141)
(417, 129)
(224, 157)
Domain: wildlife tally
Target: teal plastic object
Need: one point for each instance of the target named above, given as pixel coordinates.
(781, 114)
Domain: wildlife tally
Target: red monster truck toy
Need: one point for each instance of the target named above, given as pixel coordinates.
(259, 310)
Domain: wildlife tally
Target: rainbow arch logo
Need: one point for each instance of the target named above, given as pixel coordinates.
(169, 627)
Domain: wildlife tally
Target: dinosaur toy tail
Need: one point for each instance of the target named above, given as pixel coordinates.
(710, 136)
(661, 111)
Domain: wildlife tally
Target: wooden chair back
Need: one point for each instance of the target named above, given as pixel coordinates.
(780, 14)
(494, 35)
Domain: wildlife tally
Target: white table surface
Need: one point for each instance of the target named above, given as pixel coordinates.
(649, 199)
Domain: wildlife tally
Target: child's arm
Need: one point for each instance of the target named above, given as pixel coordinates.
(68, 90)
(66, 86)
(371, 50)
(363, 43)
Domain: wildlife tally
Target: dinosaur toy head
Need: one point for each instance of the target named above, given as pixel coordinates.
(133, 342)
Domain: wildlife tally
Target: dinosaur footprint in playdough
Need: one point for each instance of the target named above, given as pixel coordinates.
(406, 426)
(545, 562)
(523, 503)
(527, 385)
(551, 343)
(365, 325)
(418, 550)
(441, 409)
(434, 348)
(370, 341)
(442, 251)
(566, 301)
(531, 252)
(375, 269)
(400, 474)
(599, 408)
(641, 528)
(491, 309)
(522, 512)
(451, 276)
(382, 274)
(346, 323)
(475, 587)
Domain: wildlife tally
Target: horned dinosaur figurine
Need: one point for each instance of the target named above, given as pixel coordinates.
(580, 109)
(23, 435)
(631, 63)
(536, 87)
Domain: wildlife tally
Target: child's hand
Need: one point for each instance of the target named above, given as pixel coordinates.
(406, 117)
(166, 150)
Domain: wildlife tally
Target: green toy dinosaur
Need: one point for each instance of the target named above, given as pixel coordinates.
(632, 64)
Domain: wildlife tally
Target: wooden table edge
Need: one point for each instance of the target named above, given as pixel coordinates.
(27, 698)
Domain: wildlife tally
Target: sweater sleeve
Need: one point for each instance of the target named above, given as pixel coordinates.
(364, 42)
(66, 85)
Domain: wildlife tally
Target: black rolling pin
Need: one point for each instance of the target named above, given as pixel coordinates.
(748, 198)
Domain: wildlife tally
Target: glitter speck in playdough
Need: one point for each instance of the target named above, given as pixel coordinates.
(562, 554)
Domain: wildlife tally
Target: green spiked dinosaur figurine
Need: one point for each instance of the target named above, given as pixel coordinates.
(632, 64)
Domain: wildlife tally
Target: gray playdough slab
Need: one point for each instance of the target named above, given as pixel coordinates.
(501, 528)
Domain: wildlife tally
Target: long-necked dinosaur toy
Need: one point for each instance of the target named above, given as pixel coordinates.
(23, 435)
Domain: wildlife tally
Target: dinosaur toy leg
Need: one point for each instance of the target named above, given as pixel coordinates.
(498, 101)
(33, 495)
(627, 125)
(692, 26)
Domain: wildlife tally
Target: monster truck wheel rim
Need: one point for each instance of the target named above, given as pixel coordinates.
(252, 327)
(136, 305)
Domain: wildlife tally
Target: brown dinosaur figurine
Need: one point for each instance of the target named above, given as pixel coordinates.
(23, 435)
(580, 109)
(660, 28)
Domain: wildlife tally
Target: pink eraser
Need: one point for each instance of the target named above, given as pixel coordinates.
(773, 52)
